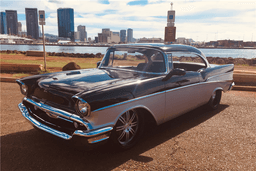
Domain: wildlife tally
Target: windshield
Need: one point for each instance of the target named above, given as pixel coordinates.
(136, 59)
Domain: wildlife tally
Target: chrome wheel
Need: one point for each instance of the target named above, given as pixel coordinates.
(215, 100)
(214, 95)
(127, 127)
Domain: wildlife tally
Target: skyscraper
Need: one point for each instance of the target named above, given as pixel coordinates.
(19, 27)
(12, 21)
(82, 33)
(129, 35)
(66, 23)
(123, 36)
(3, 24)
(32, 22)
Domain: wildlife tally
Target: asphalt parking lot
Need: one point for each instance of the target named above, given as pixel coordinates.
(224, 139)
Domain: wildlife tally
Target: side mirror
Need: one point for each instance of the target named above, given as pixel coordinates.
(98, 64)
(176, 71)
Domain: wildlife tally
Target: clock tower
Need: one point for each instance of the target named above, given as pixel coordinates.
(170, 30)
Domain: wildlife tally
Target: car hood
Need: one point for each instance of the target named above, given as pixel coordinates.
(87, 79)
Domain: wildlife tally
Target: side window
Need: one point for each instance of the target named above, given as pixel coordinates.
(187, 61)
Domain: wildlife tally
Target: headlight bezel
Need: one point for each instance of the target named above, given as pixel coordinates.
(23, 87)
(83, 109)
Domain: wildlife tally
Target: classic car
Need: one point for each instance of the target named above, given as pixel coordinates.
(134, 83)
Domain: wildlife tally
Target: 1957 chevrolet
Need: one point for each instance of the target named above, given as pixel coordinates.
(131, 85)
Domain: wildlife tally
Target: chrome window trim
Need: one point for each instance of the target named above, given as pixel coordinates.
(199, 55)
(146, 47)
(143, 72)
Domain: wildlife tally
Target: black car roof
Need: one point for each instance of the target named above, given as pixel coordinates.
(163, 47)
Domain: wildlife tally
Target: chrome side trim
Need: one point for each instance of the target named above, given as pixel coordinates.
(59, 112)
(20, 82)
(117, 104)
(173, 89)
(209, 78)
(76, 97)
(95, 134)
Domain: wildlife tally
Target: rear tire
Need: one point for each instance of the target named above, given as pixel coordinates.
(128, 129)
(215, 100)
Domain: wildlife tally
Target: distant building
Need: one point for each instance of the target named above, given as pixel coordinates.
(150, 40)
(23, 33)
(3, 24)
(32, 22)
(82, 33)
(66, 23)
(77, 36)
(129, 35)
(103, 37)
(108, 36)
(181, 40)
(96, 40)
(116, 33)
(123, 36)
(12, 22)
(114, 37)
(19, 27)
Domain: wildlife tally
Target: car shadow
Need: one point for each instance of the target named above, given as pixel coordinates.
(34, 150)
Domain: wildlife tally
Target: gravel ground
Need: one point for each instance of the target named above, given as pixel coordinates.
(224, 139)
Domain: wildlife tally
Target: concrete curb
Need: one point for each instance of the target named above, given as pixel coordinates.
(244, 88)
(8, 79)
(21, 67)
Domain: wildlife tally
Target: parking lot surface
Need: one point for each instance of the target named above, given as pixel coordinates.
(224, 139)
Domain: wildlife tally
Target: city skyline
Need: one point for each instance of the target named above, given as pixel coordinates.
(200, 20)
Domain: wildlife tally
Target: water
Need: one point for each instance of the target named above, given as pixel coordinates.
(224, 53)
(66, 49)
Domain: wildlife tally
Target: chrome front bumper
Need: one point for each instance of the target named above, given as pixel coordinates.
(92, 135)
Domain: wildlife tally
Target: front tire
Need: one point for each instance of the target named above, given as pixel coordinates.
(128, 129)
(215, 100)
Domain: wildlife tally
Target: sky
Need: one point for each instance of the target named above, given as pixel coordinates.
(201, 20)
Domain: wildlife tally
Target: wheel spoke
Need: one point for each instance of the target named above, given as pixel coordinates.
(127, 136)
(133, 124)
(121, 119)
(127, 116)
(132, 118)
(121, 136)
(132, 131)
(120, 128)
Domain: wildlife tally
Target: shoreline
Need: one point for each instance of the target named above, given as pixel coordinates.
(200, 47)
(211, 60)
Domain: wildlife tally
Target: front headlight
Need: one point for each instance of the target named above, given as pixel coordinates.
(24, 89)
(83, 108)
